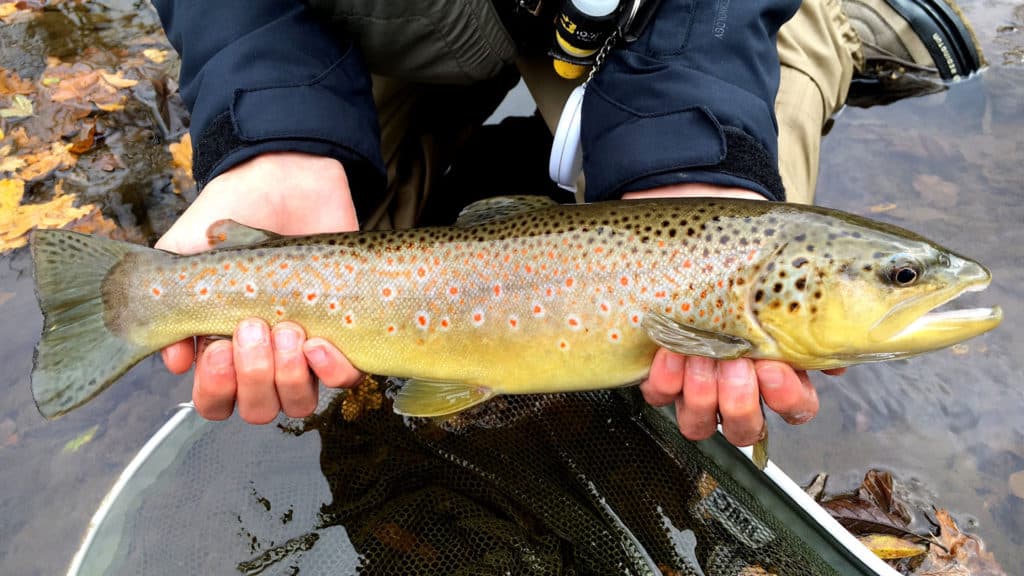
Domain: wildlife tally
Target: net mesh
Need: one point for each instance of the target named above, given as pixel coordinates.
(589, 483)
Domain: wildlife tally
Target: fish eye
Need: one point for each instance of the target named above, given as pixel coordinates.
(904, 276)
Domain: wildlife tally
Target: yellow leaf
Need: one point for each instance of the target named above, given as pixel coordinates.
(51, 81)
(888, 547)
(181, 153)
(8, 8)
(82, 439)
(155, 55)
(10, 163)
(21, 107)
(118, 81)
(16, 220)
(878, 208)
(115, 107)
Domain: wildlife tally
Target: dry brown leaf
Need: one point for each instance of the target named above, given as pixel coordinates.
(4, 297)
(936, 191)
(960, 554)
(85, 143)
(1016, 482)
(44, 162)
(11, 84)
(181, 155)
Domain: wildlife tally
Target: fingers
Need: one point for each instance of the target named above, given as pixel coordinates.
(178, 357)
(697, 410)
(665, 381)
(254, 371)
(213, 390)
(296, 391)
(330, 366)
(739, 402)
(787, 391)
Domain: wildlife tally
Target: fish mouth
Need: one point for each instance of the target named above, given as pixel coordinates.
(937, 328)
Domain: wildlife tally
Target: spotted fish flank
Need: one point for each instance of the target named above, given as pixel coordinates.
(535, 297)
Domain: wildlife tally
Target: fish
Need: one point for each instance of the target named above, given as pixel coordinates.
(520, 295)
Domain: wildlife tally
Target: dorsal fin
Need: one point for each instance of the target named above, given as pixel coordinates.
(501, 207)
(230, 234)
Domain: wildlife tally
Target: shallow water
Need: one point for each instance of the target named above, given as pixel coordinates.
(948, 424)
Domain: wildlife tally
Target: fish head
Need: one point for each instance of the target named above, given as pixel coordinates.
(842, 290)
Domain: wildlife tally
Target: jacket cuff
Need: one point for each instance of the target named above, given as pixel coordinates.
(690, 101)
(325, 117)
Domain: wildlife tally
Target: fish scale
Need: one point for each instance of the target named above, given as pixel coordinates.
(519, 296)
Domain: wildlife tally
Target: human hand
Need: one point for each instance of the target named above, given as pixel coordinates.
(266, 371)
(705, 390)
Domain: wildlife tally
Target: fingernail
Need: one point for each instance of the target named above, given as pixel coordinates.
(286, 340)
(219, 356)
(769, 377)
(316, 356)
(674, 363)
(702, 368)
(733, 372)
(252, 334)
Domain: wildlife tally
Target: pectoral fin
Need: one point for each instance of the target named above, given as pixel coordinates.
(230, 234)
(425, 398)
(760, 456)
(691, 341)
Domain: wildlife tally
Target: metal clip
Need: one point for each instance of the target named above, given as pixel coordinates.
(532, 6)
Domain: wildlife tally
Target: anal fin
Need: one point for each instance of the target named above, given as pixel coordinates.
(426, 398)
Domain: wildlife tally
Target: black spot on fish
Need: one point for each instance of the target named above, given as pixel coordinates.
(769, 231)
(794, 306)
(800, 238)
(724, 239)
(817, 295)
(801, 283)
(690, 231)
(855, 234)
(778, 287)
(868, 268)
(810, 247)
(770, 266)
(798, 262)
(740, 281)
(877, 255)
(672, 233)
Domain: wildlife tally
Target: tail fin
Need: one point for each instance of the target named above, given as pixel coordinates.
(78, 355)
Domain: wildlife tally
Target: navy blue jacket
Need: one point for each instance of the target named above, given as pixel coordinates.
(690, 101)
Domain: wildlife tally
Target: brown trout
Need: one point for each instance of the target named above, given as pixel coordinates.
(521, 295)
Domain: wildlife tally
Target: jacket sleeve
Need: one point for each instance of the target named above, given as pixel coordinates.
(692, 100)
(264, 76)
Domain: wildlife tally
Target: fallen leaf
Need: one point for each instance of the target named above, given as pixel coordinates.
(957, 553)
(155, 55)
(888, 547)
(5, 296)
(17, 220)
(82, 439)
(11, 84)
(878, 208)
(181, 156)
(50, 81)
(8, 8)
(936, 191)
(117, 80)
(10, 163)
(21, 107)
(1016, 482)
(42, 163)
(85, 143)
(108, 163)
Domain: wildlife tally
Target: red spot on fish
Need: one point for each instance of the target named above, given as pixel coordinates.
(750, 256)
(528, 268)
(716, 320)
(497, 290)
(349, 268)
(315, 258)
(233, 282)
(156, 291)
(604, 307)
(284, 265)
(668, 309)
(721, 284)
(279, 312)
(660, 294)
(182, 276)
(249, 288)
(538, 310)
(387, 292)
(599, 250)
(568, 282)
(333, 305)
(614, 336)
(562, 344)
(391, 329)
(513, 322)
(574, 322)
(227, 266)
(507, 258)
(445, 324)
(624, 281)
(349, 319)
(311, 297)
(454, 291)
(422, 320)
(421, 272)
(687, 264)
(686, 307)
(203, 291)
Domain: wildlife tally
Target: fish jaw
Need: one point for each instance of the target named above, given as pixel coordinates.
(914, 326)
